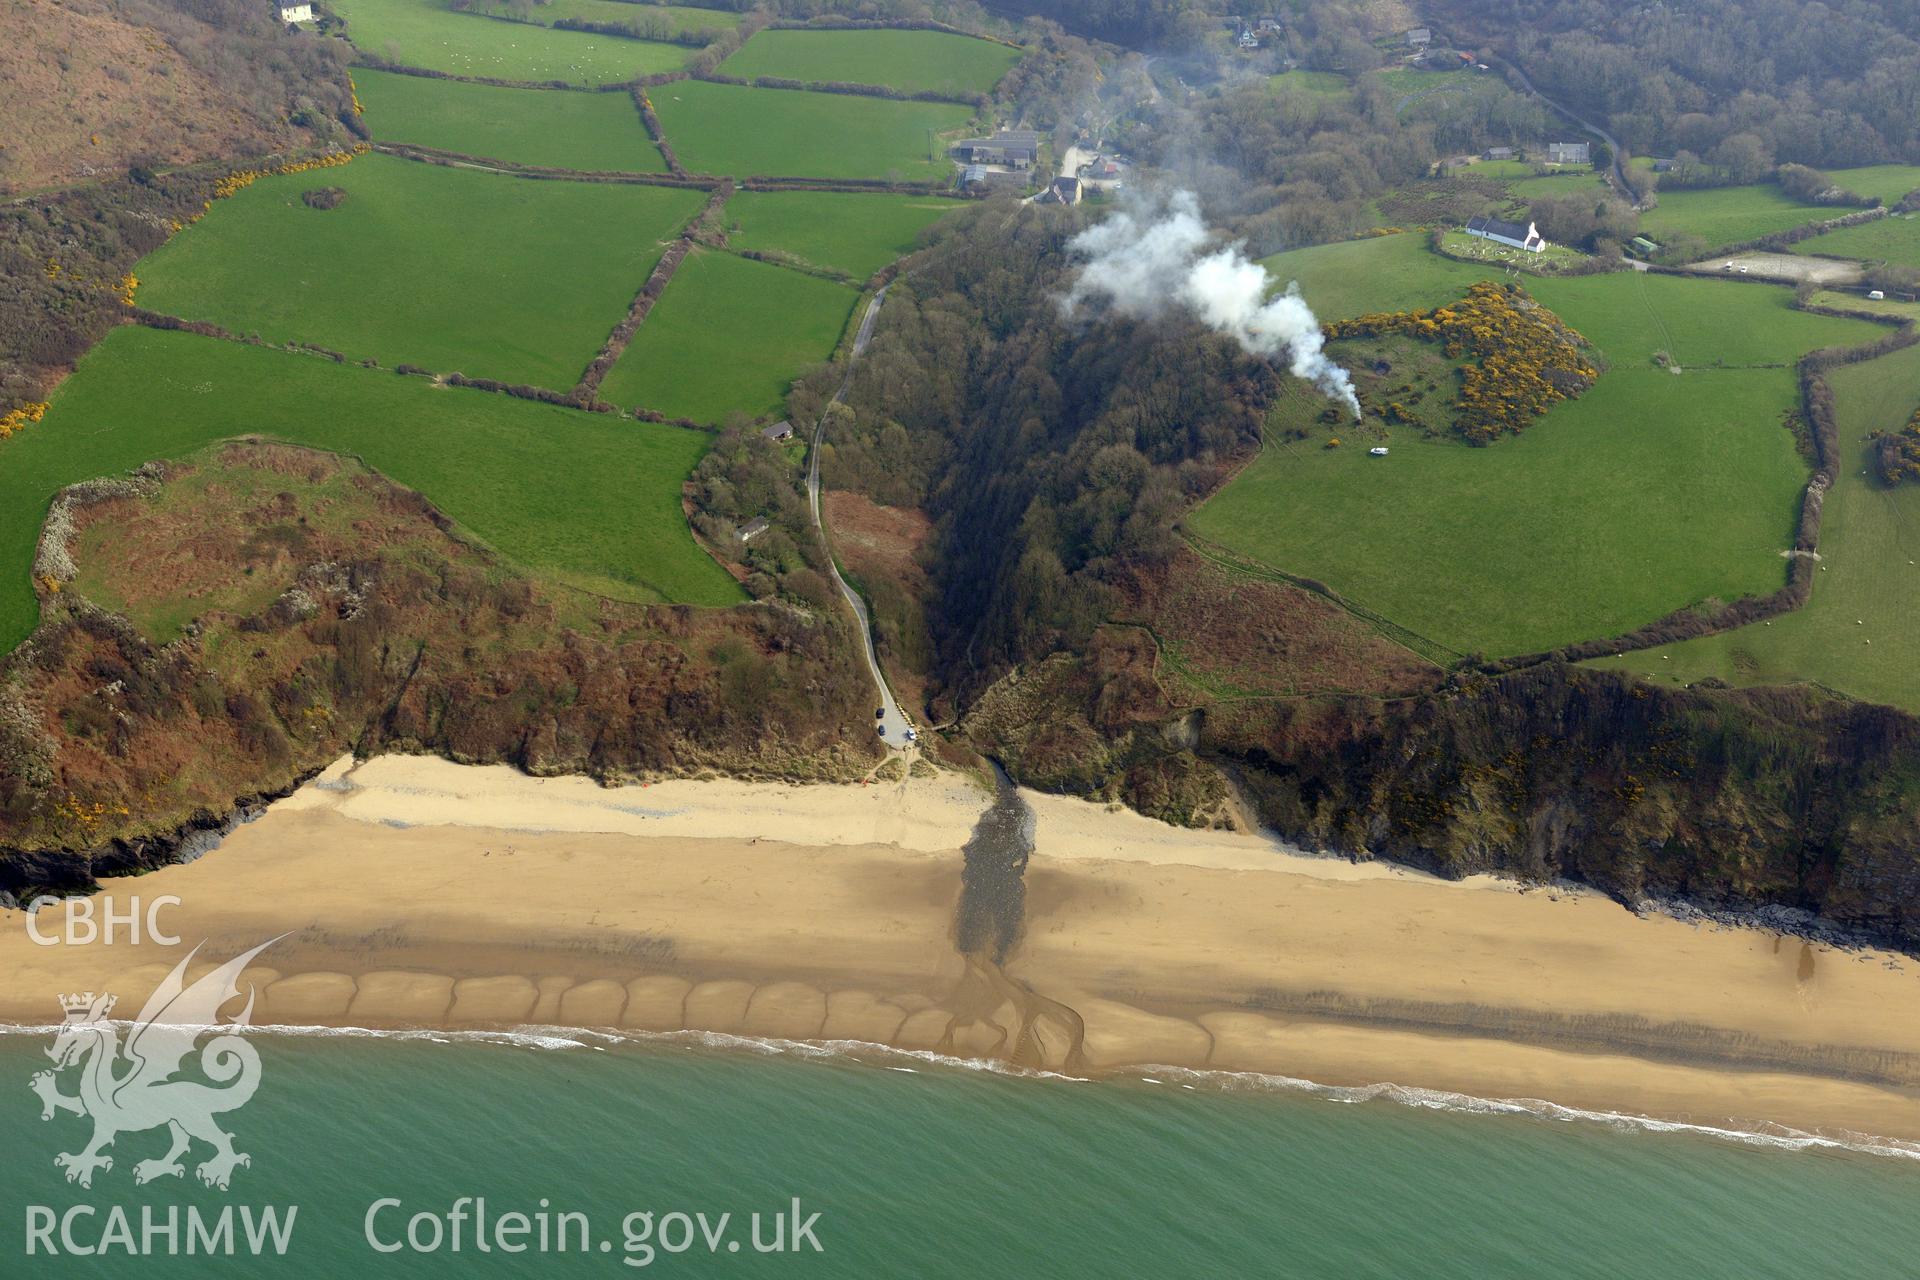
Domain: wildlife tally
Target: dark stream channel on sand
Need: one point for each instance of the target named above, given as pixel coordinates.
(993, 888)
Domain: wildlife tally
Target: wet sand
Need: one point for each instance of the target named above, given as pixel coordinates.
(415, 892)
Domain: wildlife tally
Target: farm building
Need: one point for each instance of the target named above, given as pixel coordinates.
(752, 529)
(301, 12)
(1066, 190)
(1569, 153)
(1420, 37)
(779, 432)
(1016, 148)
(1499, 153)
(1520, 235)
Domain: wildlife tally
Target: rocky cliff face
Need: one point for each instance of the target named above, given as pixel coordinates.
(1732, 800)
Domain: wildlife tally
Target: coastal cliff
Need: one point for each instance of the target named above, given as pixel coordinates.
(1779, 804)
(213, 633)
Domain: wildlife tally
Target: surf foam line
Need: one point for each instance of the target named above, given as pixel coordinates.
(864, 1052)
(1764, 1134)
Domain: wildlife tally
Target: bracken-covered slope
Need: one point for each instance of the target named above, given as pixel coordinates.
(227, 626)
(95, 85)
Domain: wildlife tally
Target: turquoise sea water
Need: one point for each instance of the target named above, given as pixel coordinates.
(942, 1170)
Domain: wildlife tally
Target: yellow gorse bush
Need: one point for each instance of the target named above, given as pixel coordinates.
(1899, 452)
(1527, 358)
(240, 179)
(22, 418)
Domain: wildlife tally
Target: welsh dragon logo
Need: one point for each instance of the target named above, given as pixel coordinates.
(131, 1087)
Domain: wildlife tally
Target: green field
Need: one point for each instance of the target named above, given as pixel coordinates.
(600, 131)
(853, 233)
(1650, 493)
(1895, 239)
(1327, 83)
(1571, 181)
(729, 334)
(1868, 586)
(1502, 169)
(1381, 273)
(911, 61)
(1701, 323)
(452, 269)
(1845, 301)
(429, 34)
(1647, 494)
(677, 19)
(591, 499)
(1729, 215)
(1884, 182)
(742, 132)
(1407, 80)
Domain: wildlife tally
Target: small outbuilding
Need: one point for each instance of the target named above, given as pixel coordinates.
(780, 432)
(752, 529)
(1877, 295)
(301, 12)
(1499, 153)
(1420, 37)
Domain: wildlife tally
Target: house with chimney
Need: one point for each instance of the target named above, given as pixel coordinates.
(1569, 153)
(1518, 235)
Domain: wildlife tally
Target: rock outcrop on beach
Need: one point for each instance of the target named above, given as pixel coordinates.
(214, 632)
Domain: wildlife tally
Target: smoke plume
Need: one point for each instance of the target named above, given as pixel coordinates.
(1143, 259)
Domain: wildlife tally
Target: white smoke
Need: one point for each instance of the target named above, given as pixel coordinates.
(1145, 258)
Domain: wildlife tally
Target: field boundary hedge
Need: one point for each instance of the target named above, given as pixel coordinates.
(550, 173)
(587, 390)
(850, 88)
(374, 62)
(519, 390)
(837, 22)
(1780, 240)
(855, 185)
(681, 179)
(656, 132)
(1816, 402)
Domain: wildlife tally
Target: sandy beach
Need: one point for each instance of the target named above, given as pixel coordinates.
(415, 892)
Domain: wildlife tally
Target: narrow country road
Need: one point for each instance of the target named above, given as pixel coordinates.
(892, 724)
(1617, 168)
